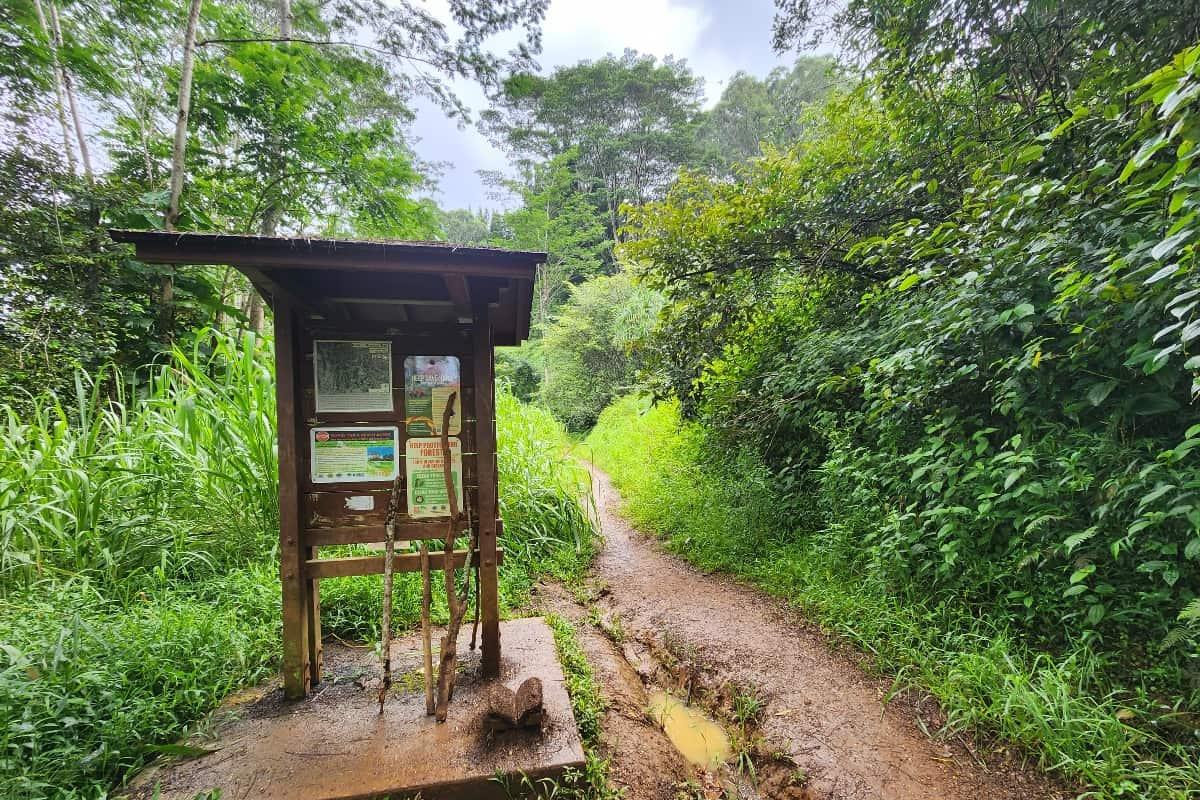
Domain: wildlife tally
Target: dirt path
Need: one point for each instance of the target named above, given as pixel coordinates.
(822, 715)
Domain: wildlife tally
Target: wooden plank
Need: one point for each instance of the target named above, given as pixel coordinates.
(316, 649)
(486, 509)
(358, 257)
(460, 296)
(296, 655)
(272, 291)
(410, 531)
(318, 569)
(331, 509)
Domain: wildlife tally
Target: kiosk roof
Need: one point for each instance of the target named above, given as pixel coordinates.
(401, 283)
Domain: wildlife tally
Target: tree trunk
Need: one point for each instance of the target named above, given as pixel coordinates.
(69, 90)
(181, 114)
(166, 295)
(285, 19)
(61, 104)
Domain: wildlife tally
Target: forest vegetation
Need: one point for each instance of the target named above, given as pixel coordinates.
(906, 335)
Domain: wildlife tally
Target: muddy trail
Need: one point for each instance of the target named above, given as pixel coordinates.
(805, 720)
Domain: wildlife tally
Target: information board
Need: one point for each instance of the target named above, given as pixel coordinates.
(353, 375)
(428, 383)
(425, 479)
(353, 455)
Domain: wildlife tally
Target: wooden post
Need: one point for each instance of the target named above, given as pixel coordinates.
(312, 604)
(296, 596)
(485, 446)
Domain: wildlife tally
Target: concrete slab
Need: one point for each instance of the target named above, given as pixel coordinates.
(335, 745)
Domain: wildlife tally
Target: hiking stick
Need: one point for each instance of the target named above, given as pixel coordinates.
(457, 605)
(426, 642)
(389, 551)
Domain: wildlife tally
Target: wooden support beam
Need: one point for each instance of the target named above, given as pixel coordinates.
(460, 296)
(317, 569)
(271, 289)
(410, 531)
(296, 598)
(486, 503)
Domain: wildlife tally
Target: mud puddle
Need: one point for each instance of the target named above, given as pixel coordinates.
(699, 739)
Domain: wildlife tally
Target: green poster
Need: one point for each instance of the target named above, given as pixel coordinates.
(428, 383)
(353, 455)
(426, 480)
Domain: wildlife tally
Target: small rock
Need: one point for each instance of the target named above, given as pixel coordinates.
(520, 709)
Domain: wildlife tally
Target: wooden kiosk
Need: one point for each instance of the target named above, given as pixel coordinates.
(369, 338)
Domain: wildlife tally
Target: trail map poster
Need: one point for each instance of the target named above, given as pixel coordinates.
(425, 480)
(353, 376)
(428, 383)
(354, 455)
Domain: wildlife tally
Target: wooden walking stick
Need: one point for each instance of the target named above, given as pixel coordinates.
(426, 642)
(457, 605)
(389, 551)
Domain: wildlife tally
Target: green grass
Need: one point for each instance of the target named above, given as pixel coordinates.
(138, 578)
(720, 511)
(589, 707)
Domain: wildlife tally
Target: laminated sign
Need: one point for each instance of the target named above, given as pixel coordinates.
(353, 455)
(428, 383)
(426, 482)
(352, 375)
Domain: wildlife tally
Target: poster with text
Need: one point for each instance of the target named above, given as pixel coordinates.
(353, 455)
(425, 479)
(353, 375)
(428, 383)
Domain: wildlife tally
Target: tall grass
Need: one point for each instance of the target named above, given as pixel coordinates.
(721, 511)
(173, 476)
(138, 578)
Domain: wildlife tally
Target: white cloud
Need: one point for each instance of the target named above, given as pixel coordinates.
(700, 31)
(578, 29)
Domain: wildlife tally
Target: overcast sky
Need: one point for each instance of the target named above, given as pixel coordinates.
(717, 37)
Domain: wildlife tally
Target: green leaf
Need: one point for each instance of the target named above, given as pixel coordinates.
(1164, 272)
(1168, 245)
(1100, 391)
(1030, 153)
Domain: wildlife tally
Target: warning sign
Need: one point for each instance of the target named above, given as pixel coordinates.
(425, 479)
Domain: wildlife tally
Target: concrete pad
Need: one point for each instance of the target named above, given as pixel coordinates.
(336, 745)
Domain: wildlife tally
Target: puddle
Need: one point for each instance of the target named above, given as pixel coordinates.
(700, 740)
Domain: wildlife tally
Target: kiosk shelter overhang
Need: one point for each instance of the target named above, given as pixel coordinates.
(346, 281)
(378, 309)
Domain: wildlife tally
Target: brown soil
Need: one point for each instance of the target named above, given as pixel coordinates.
(824, 732)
